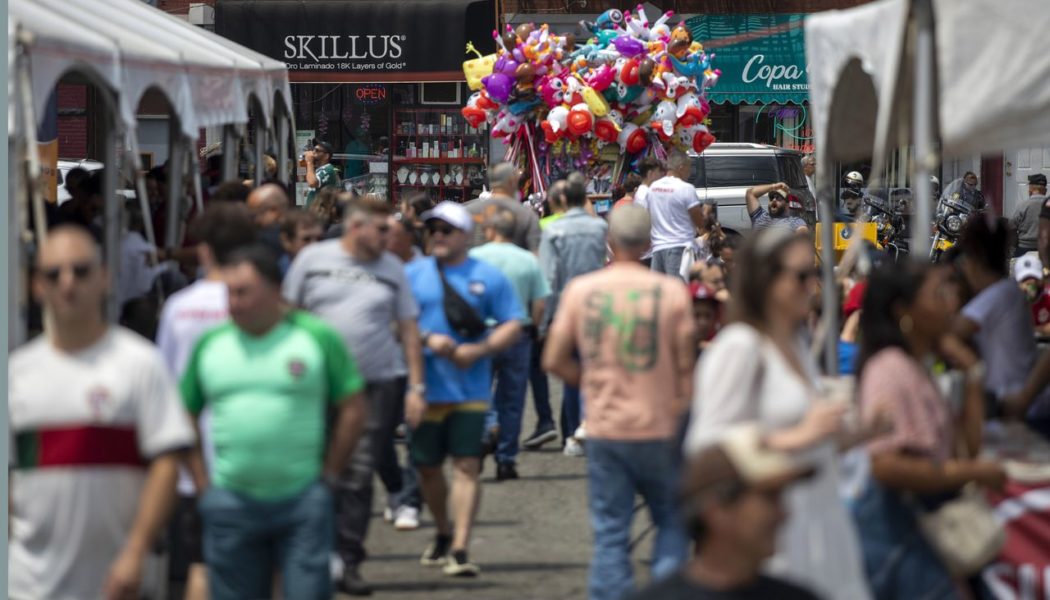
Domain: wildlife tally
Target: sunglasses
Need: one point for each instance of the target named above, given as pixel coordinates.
(442, 229)
(81, 271)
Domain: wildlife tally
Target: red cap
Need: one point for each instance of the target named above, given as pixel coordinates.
(855, 299)
(701, 291)
(794, 202)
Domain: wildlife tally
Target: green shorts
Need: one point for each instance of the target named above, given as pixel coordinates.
(448, 430)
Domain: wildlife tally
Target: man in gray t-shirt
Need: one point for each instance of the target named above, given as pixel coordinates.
(503, 180)
(360, 289)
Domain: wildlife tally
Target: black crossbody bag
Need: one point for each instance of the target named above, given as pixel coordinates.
(461, 316)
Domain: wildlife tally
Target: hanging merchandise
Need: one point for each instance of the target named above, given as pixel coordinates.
(634, 89)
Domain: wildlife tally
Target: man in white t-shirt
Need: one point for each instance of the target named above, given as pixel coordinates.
(187, 315)
(676, 213)
(96, 426)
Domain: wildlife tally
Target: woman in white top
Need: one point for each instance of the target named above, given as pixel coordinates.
(757, 370)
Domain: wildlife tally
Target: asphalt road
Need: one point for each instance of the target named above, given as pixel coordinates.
(532, 539)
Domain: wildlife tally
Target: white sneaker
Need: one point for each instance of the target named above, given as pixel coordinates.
(573, 447)
(388, 515)
(407, 518)
(580, 434)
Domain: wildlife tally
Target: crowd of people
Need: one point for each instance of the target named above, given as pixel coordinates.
(246, 422)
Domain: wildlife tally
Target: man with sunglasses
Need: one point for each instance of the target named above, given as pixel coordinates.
(777, 215)
(97, 427)
(360, 289)
(459, 297)
(320, 173)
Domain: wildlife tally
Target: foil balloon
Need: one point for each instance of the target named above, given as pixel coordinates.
(632, 139)
(580, 120)
(664, 119)
(691, 110)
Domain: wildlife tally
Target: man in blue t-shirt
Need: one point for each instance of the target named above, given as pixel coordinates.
(460, 336)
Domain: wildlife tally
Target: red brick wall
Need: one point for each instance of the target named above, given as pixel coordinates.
(680, 6)
(72, 121)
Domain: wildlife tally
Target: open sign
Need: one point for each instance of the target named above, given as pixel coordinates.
(371, 93)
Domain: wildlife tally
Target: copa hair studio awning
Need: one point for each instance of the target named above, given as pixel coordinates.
(762, 57)
(358, 41)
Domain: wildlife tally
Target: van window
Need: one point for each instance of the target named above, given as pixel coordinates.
(735, 171)
(791, 170)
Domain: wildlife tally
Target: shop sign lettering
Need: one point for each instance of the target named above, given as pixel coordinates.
(358, 52)
(776, 77)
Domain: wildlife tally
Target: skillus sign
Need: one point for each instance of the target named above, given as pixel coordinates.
(348, 40)
(361, 52)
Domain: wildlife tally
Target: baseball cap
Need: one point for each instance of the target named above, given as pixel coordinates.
(741, 456)
(1028, 267)
(452, 213)
(777, 193)
(794, 202)
(1037, 179)
(701, 291)
(855, 299)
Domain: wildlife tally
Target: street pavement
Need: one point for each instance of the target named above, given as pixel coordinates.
(532, 539)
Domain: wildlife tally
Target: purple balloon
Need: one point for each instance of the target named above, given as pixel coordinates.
(498, 86)
(629, 46)
(506, 65)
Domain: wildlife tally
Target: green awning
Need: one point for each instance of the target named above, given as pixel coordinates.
(762, 57)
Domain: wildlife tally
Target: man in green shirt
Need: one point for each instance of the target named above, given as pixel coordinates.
(511, 367)
(268, 378)
(320, 172)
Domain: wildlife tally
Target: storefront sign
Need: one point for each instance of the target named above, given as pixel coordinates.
(403, 40)
(762, 57)
(371, 94)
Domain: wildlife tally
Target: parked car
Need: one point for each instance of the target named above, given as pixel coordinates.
(65, 165)
(725, 171)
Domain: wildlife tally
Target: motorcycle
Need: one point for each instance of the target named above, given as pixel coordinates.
(957, 204)
(891, 220)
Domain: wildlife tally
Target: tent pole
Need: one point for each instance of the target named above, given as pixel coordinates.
(282, 148)
(113, 209)
(260, 139)
(829, 291)
(922, 123)
(175, 177)
(229, 153)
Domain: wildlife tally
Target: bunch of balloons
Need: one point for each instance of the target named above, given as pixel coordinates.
(638, 85)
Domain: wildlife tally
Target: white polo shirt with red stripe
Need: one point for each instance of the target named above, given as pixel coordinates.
(83, 427)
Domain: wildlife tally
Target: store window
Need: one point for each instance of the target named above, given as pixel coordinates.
(353, 117)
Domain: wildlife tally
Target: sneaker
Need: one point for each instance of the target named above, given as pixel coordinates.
(573, 447)
(351, 582)
(506, 471)
(437, 552)
(406, 518)
(388, 515)
(459, 566)
(543, 435)
(580, 434)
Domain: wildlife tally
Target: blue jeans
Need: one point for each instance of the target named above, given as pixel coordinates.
(616, 471)
(511, 368)
(668, 261)
(571, 411)
(541, 392)
(897, 558)
(246, 540)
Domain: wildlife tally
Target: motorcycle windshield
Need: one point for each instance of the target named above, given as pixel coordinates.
(957, 192)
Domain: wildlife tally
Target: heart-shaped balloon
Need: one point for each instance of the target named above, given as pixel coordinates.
(580, 120)
(474, 115)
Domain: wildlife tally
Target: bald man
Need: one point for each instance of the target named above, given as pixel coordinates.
(269, 203)
(98, 425)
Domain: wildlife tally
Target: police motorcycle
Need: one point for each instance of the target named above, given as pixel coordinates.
(958, 203)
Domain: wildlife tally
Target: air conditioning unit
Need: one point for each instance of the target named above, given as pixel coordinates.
(202, 15)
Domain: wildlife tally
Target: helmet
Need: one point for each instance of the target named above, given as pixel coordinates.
(854, 179)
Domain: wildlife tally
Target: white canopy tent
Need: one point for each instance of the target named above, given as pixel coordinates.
(953, 78)
(127, 48)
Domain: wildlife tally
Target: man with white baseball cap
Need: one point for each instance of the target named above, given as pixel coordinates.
(1028, 271)
(731, 498)
(458, 298)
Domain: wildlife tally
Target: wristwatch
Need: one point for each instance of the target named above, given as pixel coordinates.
(418, 388)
